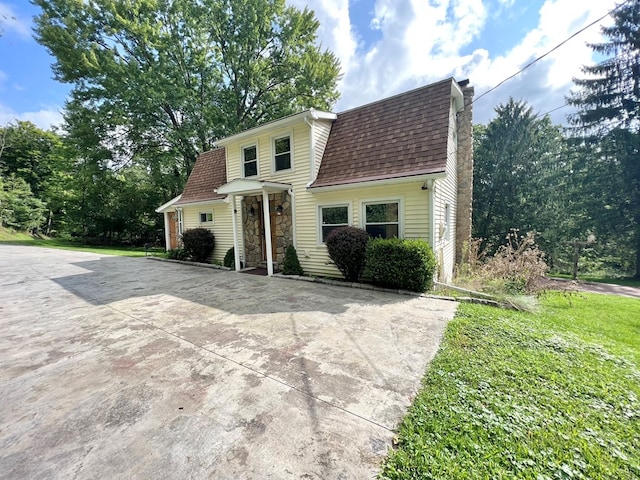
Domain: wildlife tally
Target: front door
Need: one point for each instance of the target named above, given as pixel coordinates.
(173, 237)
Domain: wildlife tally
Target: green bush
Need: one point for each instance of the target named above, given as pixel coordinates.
(346, 247)
(397, 263)
(177, 254)
(198, 244)
(230, 259)
(291, 264)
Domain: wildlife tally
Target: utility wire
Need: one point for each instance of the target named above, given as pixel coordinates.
(552, 50)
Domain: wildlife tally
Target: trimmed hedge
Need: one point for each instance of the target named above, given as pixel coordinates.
(291, 264)
(397, 263)
(346, 247)
(198, 243)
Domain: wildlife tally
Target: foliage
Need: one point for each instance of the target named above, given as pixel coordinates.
(198, 244)
(608, 116)
(517, 395)
(229, 260)
(347, 247)
(397, 263)
(19, 209)
(291, 264)
(177, 254)
(38, 158)
(167, 78)
(516, 267)
(521, 172)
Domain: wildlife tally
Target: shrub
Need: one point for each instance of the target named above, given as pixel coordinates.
(230, 259)
(291, 264)
(346, 247)
(397, 263)
(177, 254)
(198, 244)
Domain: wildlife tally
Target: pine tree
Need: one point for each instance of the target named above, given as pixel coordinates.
(608, 100)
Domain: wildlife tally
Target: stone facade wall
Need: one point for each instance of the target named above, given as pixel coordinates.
(281, 225)
(464, 173)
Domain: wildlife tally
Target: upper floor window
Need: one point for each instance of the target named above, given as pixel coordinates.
(332, 217)
(250, 161)
(282, 153)
(382, 219)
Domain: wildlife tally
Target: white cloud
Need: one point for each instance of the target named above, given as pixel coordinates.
(425, 41)
(10, 21)
(45, 118)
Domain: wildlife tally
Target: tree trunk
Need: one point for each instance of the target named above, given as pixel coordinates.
(637, 274)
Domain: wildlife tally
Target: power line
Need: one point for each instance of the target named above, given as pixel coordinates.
(552, 50)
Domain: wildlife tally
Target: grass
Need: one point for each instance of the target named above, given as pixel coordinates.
(8, 237)
(625, 281)
(553, 395)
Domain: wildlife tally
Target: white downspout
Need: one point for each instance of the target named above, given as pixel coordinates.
(267, 230)
(431, 188)
(292, 201)
(234, 222)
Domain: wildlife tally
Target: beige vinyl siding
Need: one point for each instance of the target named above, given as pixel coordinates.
(414, 213)
(321, 130)
(222, 227)
(445, 193)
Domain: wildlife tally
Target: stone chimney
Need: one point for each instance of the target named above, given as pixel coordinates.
(464, 172)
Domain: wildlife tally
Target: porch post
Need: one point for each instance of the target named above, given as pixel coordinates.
(234, 222)
(267, 230)
(167, 235)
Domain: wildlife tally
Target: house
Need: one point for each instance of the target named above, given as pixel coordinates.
(399, 167)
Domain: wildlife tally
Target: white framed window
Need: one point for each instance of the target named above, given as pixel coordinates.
(250, 161)
(331, 217)
(282, 153)
(206, 216)
(381, 219)
(180, 221)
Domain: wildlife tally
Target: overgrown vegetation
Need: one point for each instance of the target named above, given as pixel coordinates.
(516, 267)
(291, 264)
(198, 244)
(347, 249)
(396, 263)
(517, 395)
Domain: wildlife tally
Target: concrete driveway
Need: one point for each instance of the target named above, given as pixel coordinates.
(128, 368)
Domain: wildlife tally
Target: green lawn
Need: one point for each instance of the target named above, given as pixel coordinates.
(554, 395)
(626, 281)
(18, 238)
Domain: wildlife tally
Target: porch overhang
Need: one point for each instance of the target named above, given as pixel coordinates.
(165, 207)
(243, 186)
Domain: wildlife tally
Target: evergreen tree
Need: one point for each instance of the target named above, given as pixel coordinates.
(608, 99)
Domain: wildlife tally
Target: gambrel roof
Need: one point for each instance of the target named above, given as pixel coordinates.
(400, 136)
(209, 172)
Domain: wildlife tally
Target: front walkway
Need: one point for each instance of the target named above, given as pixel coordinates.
(125, 368)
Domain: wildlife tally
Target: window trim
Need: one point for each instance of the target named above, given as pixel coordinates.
(378, 200)
(206, 212)
(319, 223)
(273, 153)
(257, 160)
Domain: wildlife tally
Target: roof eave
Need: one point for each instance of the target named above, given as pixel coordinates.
(372, 183)
(165, 206)
(200, 202)
(311, 114)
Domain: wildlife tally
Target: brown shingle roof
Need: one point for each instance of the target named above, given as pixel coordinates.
(396, 137)
(209, 172)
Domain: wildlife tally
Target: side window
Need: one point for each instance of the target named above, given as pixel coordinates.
(206, 217)
(250, 161)
(382, 219)
(282, 152)
(333, 217)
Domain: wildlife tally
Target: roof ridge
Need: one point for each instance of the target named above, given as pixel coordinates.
(401, 94)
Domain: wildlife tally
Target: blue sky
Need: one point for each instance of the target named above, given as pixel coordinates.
(385, 47)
